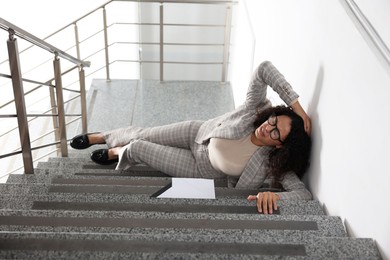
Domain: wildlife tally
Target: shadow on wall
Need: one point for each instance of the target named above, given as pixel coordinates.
(314, 172)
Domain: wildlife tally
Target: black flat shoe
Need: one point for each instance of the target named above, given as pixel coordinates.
(80, 142)
(101, 157)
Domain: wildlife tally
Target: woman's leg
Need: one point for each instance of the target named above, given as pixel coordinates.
(177, 162)
(181, 135)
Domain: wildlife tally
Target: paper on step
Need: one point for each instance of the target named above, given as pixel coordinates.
(189, 188)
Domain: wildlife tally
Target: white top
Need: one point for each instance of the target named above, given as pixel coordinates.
(231, 156)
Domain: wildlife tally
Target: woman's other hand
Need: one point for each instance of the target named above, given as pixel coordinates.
(266, 201)
(297, 108)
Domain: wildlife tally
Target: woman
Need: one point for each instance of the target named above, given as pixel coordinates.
(250, 145)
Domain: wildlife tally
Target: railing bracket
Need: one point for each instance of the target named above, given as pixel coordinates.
(11, 34)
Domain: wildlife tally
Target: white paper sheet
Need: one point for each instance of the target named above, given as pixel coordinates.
(190, 188)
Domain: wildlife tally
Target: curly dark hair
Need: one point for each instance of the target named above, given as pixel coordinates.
(294, 155)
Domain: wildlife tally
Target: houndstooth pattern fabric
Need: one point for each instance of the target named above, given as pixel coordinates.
(239, 123)
(181, 149)
(170, 149)
(181, 135)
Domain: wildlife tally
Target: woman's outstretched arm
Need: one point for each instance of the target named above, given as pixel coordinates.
(295, 189)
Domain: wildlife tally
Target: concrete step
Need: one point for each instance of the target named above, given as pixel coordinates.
(130, 188)
(138, 185)
(122, 193)
(148, 246)
(136, 202)
(70, 166)
(79, 158)
(159, 223)
(136, 179)
(88, 169)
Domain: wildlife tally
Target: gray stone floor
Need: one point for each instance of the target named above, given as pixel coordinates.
(119, 103)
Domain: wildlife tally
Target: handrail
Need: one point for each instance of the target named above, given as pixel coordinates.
(252, 34)
(369, 30)
(38, 42)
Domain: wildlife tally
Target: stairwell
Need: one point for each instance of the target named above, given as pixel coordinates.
(74, 209)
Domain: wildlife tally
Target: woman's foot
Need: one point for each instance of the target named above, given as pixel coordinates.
(105, 156)
(84, 141)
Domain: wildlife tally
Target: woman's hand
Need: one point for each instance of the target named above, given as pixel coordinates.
(297, 108)
(266, 201)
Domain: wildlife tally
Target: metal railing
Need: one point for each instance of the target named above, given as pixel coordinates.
(101, 57)
(162, 43)
(56, 90)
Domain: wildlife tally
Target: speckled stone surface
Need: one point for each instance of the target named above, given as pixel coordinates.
(25, 194)
(46, 170)
(120, 201)
(151, 102)
(174, 101)
(126, 222)
(72, 245)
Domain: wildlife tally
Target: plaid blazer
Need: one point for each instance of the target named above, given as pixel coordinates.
(239, 123)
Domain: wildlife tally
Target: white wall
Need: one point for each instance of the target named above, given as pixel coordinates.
(346, 91)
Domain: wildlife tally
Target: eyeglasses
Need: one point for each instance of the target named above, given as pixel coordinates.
(275, 133)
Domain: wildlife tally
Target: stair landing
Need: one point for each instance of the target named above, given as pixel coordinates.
(119, 103)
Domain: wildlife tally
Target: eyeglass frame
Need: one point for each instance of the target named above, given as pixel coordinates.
(275, 130)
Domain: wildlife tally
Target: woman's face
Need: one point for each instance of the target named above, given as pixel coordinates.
(272, 132)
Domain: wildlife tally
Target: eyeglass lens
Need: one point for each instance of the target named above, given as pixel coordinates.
(275, 134)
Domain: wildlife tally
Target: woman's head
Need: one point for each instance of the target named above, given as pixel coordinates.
(283, 129)
(274, 131)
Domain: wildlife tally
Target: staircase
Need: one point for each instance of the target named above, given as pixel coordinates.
(72, 208)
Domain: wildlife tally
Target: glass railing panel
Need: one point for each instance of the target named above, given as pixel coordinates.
(119, 11)
(149, 12)
(125, 70)
(210, 72)
(194, 34)
(206, 14)
(194, 53)
(150, 70)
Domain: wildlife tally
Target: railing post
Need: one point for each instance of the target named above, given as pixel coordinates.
(60, 106)
(83, 101)
(226, 49)
(54, 111)
(16, 75)
(76, 36)
(161, 42)
(106, 43)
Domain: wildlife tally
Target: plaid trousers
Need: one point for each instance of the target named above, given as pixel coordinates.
(170, 149)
